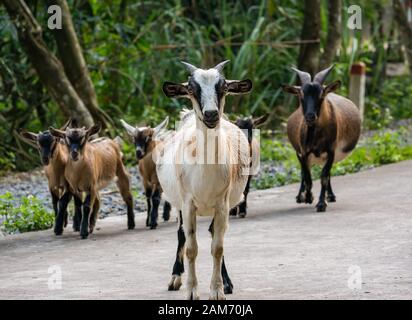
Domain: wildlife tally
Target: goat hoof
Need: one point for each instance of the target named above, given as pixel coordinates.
(331, 198)
(153, 226)
(300, 198)
(58, 232)
(175, 283)
(217, 295)
(242, 214)
(84, 236)
(309, 198)
(321, 207)
(130, 225)
(193, 295)
(76, 229)
(228, 288)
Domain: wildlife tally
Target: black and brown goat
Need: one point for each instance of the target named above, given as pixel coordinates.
(323, 130)
(54, 156)
(143, 139)
(90, 167)
(247, 125)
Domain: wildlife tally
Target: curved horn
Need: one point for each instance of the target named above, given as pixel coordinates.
(190, 67)
(67, 124)
(303, 76)
(219, 67)
(130, 129)
(321, 76)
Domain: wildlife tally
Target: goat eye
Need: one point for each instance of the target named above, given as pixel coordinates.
(190, 90)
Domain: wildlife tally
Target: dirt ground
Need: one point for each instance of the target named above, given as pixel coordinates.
(361, 248)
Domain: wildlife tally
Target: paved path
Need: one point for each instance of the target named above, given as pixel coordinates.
(281, 250)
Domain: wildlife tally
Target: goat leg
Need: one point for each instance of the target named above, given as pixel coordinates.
(166, 211)
(227, 283)
(178, 268)
(322, 204)
(148, 193)
(77, 218)
(330, 195)
(62, 208)
(55, 200)
(155, 209)
(84, 229)
(220, 221)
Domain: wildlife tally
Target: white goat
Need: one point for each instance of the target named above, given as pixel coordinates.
(192, 180)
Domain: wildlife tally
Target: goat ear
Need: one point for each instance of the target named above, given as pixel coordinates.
(57, 133)
(291, 89)
(239, 87)
(29, 137)
(260, 120)
(160, 127)
(175, 90)
(332, 87)
(94, 129)
(129, 129)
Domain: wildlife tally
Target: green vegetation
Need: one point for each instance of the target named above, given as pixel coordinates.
(131, 48)
(29, 215)
(382, 148)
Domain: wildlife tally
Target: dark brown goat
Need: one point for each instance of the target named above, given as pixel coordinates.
(323, 130)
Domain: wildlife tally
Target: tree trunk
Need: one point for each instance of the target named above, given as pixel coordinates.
(114, 66)
(309, 50)
(71, 56)
(47, 66)
(405, 30)
(334, 33)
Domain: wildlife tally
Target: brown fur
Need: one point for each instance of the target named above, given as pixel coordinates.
(55, 170)
(99, 163)
(338, 125)
(146, 142)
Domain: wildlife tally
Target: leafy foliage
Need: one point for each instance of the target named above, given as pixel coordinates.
(29, 215)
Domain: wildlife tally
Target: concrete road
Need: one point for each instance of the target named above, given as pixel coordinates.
(361, 248)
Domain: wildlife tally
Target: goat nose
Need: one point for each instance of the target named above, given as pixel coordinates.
(139, 154)
(211, 115)
(310, 117)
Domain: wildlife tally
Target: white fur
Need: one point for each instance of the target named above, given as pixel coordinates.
(197, 188)
(207, 79)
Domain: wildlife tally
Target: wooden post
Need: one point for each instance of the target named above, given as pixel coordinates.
(357, 85)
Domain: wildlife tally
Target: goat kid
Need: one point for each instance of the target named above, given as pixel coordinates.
(196, 187)
(323, 130)
(54, 156)
(145, 143)
(247, 125)
(91, 167)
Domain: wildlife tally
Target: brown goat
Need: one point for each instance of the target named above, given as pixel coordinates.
(247, 125)
(323, 130)
(145, 143)
(91, 167)
(54, 158)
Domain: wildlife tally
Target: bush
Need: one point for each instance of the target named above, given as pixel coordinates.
(384, 147)
(392, 103)
(30, 215)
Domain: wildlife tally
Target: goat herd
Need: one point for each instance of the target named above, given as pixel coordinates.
(202, 168)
